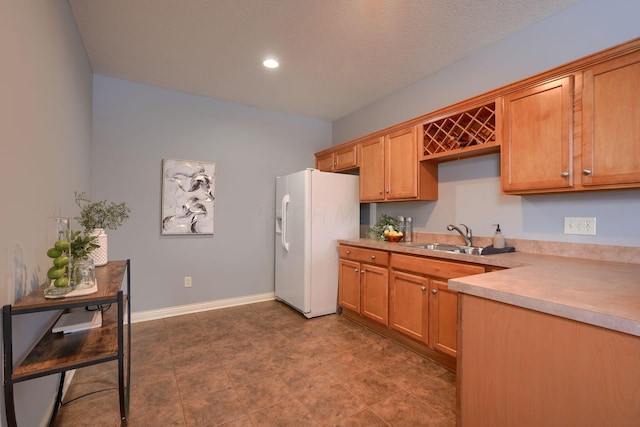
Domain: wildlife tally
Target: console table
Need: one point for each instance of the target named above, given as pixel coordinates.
(58, 353)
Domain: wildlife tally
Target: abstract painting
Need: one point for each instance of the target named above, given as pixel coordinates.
(188, 196)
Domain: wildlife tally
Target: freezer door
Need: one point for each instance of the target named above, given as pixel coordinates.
(292, 240)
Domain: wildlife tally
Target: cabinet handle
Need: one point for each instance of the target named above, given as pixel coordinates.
(434, 291)
(423, 288)
(379, 191)
(373, 257)
(586, 171)
(564, 174)
(348, 252)
(355, 269)
(387, 191)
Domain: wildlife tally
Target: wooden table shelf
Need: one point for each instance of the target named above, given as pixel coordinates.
(58, 353)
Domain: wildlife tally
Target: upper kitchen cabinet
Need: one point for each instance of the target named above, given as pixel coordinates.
(573, 128)
(611, 123)
(390, 170)
(468, 131)
(338, 159)
(578, 131)
(537, 137)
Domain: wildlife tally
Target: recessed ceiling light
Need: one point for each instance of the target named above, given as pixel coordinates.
(270, 63)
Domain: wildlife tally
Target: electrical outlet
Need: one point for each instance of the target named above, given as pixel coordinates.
(187, 281)
(580, 225)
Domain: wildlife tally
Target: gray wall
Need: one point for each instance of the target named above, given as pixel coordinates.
(470, 189)
(135, 127)
(45, 134)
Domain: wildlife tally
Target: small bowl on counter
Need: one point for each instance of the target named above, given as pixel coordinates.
(394, 239)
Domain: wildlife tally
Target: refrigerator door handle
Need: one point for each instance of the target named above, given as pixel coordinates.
(283, 236)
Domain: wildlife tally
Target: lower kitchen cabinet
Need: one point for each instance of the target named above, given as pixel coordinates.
(443, 319)
(349, 285)
(375, 293)
(422, 305)
(404, 297)
(521, 367)
(363, 282)
(409, 305)
(424, 309)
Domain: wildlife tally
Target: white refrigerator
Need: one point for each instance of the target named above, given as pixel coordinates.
(313, 210)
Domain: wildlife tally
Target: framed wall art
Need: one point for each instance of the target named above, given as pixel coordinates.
(188, 196)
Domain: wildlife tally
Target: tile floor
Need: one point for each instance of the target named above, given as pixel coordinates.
(264, 365)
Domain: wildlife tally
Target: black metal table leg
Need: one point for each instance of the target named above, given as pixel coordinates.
(56, 406)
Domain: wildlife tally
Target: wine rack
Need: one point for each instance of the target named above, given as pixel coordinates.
(466, 132)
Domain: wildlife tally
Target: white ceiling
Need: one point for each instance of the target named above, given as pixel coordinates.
(336, 56)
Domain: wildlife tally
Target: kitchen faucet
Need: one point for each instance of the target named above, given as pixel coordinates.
(468, 236)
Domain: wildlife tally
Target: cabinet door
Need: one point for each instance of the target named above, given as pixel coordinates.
(325, 163)
(372, 170)
(408, 310)
(443, 318)
(611, 122)
(349, 285)
(347, 158)
(401, 159)
(375, 293)
(537, 137)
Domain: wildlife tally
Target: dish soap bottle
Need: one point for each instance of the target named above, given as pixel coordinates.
(498, 238)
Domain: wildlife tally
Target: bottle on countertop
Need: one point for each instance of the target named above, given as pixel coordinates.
(401, 223)
(498, 238)
(408, 233)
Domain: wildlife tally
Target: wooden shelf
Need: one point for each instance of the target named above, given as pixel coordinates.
(464, 152)
(458, 135)
(56, 353)
(59, 352)
(109, 278)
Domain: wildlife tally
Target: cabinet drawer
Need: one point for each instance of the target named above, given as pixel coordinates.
(370, 256)
(433, 267)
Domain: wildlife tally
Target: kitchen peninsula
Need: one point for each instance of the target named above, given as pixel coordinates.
(544, 340)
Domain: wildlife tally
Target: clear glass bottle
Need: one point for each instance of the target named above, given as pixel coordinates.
(58, 230)
(408, 231)
(401, 223)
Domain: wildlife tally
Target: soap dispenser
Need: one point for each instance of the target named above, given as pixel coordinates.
(498, 238)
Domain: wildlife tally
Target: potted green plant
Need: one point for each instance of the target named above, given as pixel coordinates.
(383, 223)
(81, 245)
(95, 218)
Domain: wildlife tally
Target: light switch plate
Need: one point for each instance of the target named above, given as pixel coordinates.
(580, 225)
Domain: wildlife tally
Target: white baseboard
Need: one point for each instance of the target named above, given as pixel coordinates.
(144, 316)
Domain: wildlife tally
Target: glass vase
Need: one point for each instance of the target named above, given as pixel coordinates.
(59, 280)
(83, 273)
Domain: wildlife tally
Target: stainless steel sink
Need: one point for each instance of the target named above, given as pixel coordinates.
(444, 247)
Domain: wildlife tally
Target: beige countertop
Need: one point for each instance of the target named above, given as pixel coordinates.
(601, 293)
